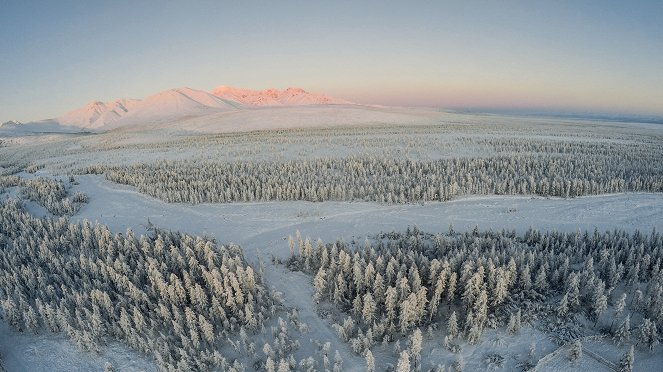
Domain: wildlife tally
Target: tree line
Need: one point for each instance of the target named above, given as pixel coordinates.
(388, 180)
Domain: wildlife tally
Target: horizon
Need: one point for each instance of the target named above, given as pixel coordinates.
(479, 110)
(589, 57)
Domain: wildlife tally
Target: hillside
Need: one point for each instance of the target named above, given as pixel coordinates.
(170, 106)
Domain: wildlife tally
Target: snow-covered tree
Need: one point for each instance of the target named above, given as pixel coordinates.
(627, 361)
(338, 362)
(403, 362)
(370, 361)
(563, 307)
(452, 325)
(369, 309)
(416, 340)
(649, 334)
(623, 332)
(575, 352)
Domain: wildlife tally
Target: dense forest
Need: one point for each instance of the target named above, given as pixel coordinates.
(465, 283)
(170, 295)
(390, 180)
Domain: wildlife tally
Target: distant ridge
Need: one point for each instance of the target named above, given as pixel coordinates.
(174, 104)
(274, 97)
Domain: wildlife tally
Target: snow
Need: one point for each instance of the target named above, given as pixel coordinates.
(171, 105)
(227, 109)
(48, 352)
(274, 97)
(279, 117)
(15, 129)
(167, 105)
(97, 114)
(262, 228)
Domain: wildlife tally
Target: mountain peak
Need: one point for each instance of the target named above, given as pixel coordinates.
(291, 96)
(295, 91)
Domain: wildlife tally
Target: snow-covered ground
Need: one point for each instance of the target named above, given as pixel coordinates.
(302, 132)
(48, 352)
(262, 229)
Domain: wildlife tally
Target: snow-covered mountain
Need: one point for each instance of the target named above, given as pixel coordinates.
(98, 114)
(175, 104)
(11, 123)
(171, 105)
(274, 97)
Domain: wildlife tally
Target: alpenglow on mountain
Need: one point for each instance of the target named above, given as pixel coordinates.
(178, 103)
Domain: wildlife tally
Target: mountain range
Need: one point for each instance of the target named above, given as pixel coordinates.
(172, 105)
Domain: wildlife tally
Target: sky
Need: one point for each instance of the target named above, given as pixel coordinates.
(568, 56)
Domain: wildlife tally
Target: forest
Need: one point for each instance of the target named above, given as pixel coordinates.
(173, 296)
(53, 195)
(185, 297)
(574, 284)
(190, 302)
(390, 181)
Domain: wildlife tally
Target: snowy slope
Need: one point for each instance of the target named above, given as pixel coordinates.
(164, 106)
(98, 114)
(170, 106)
(302, 116)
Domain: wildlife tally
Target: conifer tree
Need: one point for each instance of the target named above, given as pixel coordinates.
(627, 361)
(623, 332)
(575, 352)
(403, 362)
(452, 325)
(370, 361)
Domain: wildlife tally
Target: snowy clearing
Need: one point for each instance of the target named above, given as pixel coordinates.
(257, 226)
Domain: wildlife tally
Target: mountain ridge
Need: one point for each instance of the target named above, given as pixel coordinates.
(177, 103)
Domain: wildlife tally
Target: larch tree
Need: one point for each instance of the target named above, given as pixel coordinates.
(370, 361)
(416, 340)
(403, 364)
(452, 325)
(623, 332)
(627, 361)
